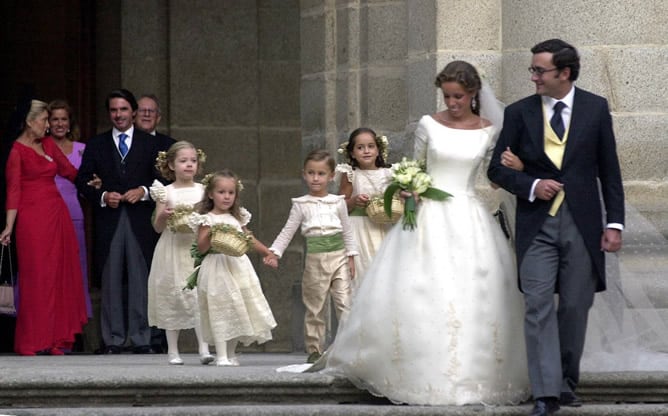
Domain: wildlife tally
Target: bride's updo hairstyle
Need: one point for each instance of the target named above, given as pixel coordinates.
(465, 75)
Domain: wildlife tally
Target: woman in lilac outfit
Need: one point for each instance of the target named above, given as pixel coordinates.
(65, 133)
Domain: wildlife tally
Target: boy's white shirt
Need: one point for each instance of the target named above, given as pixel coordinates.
(317, 216)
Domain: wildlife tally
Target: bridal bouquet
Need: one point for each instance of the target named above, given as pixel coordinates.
(409, 175)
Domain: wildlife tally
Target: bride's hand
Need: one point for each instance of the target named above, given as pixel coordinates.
(406, 194)
(510, 160)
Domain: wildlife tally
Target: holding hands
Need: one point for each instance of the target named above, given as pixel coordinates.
(271, 260)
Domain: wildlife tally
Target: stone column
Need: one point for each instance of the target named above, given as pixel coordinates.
(227, 74)
(145, 52)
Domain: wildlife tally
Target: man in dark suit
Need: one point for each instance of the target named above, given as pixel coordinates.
(123, 158)
(567, 150)
(148, 117)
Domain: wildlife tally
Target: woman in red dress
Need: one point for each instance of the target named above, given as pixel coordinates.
(51, 307)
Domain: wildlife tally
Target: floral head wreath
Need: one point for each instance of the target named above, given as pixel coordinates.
(206, 181)
(201, 156)
(381, 141)
(162, 158)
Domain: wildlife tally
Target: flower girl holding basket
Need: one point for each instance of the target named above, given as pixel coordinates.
(169, 307)
(363, 181)
(232, 305)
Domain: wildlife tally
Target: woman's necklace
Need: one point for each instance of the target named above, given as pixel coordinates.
(36, 146)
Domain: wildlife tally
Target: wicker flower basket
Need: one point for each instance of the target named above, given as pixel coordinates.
(230, 241)
(178, 221)
(376, 211)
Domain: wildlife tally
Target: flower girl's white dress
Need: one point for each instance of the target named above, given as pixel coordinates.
(438, 318)
(232, 304)
(367, 234)
(170, 307)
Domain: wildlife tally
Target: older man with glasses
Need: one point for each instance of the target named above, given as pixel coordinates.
(148, 117)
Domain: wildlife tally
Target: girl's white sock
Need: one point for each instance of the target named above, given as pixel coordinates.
(172, 341)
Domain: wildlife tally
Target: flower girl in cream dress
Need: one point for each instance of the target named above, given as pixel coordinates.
(232, 305)
(169, 306)
(364, 178)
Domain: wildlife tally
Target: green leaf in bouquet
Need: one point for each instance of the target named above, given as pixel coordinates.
(435, 194)
(387, 198)
(409, 214)
(191, 281)
(196, 255)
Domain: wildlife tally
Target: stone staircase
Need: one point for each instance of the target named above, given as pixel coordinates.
(146, 385)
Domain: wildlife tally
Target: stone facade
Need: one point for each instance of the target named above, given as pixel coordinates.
(257, 84)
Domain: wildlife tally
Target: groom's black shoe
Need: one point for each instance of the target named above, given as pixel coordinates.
(545, 406)
(569, 399)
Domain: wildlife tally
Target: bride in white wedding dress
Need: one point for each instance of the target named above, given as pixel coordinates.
(438, 317)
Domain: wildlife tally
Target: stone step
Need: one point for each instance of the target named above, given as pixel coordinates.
(310, 389)
(146, 385)
(341, 410)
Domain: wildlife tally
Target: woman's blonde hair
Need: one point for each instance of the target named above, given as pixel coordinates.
(165, 158)
(37, 107)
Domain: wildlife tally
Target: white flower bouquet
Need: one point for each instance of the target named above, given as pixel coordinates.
(410, 176)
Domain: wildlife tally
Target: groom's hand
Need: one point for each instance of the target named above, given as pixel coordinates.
(611, 240)
(546, 189)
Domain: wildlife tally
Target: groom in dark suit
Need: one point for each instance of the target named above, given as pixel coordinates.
(564, 137)
(124, 239)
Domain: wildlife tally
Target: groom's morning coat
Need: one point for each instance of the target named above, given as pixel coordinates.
(590, 154)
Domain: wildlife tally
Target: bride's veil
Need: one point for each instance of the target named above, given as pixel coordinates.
(491, 108)
(628, 324)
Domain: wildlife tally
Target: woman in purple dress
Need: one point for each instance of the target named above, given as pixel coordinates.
(65, 133)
